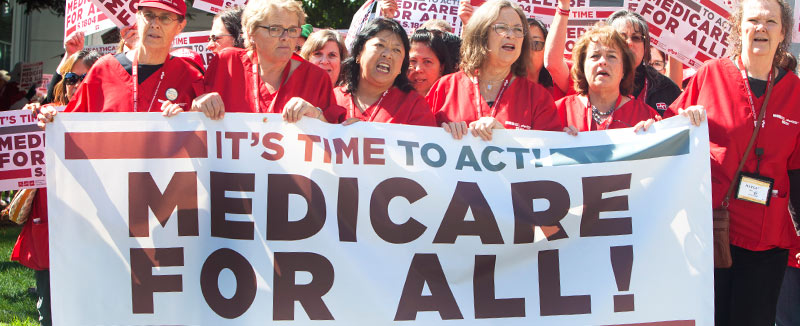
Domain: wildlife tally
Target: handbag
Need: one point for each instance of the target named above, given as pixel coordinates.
(20, 207)
(722, 218)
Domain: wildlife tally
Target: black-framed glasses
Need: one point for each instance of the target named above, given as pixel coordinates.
(278, 30)
(537, 46)
(163, 19)
(505, 30)
(73, 78)
(658, 64)
(214, 38)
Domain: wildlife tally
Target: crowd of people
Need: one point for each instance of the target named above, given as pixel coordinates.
(505, 71)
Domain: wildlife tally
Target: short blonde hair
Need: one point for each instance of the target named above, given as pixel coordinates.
(475, 44)
(608, 36)
(257, 11)
(317, 41)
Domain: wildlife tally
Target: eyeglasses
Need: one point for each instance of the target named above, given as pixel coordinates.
(278, 30)
(72, 78)
(537, 46)
(163, 19)
(214, 38)
(636, 38)
(505, 30)
(658, 64)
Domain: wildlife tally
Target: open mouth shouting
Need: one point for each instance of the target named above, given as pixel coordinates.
(508, 47)
(383, 67)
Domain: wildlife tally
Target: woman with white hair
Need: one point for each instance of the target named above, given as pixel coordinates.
(267, 76)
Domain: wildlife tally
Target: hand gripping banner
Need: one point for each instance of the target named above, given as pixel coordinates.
(251, 221)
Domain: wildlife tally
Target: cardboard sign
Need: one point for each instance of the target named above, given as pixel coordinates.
(21, 151)
(31, 75)
(251, 220)
(215, 6)
(121, 12)
(196, 41)
(412, 13)
(104, 49)
(83, 16)
(691, 31)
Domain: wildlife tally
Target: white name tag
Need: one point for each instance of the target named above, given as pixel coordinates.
(754, 188)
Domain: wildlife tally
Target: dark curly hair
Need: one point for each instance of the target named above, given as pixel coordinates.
(434, 39)
(232, 20)
(352, 70)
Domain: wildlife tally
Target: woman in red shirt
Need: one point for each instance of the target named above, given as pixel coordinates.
(603, 76)
(376, 87)
(492, 90)
(267, 76)
(732, 90)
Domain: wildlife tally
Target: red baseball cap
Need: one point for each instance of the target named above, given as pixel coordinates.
(175, 6)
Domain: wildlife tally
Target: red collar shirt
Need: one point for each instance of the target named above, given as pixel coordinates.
(524, 104)
(109, 88)
(395, 106)
(573, 112)
(719, 87)
(231, 75)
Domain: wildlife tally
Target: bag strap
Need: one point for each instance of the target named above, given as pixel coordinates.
(726, 200)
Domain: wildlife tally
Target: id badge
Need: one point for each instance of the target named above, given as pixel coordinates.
(755, 188)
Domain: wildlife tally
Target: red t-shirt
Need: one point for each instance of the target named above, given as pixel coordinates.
(574, 112)
(231, 75)
(719, 87)
(394, 107)
(32, 247)
(109, 88)
(524, 104)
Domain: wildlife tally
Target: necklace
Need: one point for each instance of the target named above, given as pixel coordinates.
(598, 116)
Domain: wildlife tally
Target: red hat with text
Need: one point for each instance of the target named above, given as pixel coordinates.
(175, 6)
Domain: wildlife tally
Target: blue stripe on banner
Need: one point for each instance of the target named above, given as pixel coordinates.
(675, 145)
(19, 129)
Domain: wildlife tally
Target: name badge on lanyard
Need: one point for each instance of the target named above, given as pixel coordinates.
(754, 188)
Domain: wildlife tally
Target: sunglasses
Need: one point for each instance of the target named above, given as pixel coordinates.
(214, 38)
(537, 46)
(72, 78)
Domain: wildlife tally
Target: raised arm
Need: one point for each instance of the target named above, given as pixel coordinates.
(554, 47)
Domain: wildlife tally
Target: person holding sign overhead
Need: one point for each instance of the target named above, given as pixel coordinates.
(492, 90)
(376, 86)
(147, 78)
(267, 76)
(754, 129)
(603, 74)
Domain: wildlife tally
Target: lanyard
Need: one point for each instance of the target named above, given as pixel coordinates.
(375, 108)
(478, 105)
(750, 93)
(643, 94)
(257, 77)
(136, 83)
(590, 119)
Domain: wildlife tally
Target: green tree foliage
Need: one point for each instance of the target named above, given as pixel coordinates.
(321, 13)
(331, 13)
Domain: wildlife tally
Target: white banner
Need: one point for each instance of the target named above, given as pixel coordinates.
(21, 151)
(82, 15)
(121, 12)
(691, 31)
(31, 75)
(196, 41)
(412, 13)
(235, 222)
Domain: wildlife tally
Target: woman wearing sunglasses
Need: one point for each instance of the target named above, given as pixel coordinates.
(74, 69)
(492, 90)
(653, 88)
(536, 71)
(226, 31)
(267, 76)
(603, 74)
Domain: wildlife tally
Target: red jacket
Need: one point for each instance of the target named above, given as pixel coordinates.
(719, 86)
(395, 107)
(524, 105)
(574, 113)
(31, 249)
(109, 88)
(231, 75)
